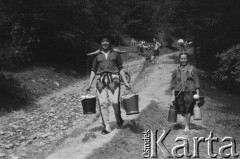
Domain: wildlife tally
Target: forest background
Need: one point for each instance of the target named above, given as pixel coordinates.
(61, 32)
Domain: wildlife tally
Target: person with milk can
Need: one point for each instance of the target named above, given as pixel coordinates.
(107, 67)
(185, 87)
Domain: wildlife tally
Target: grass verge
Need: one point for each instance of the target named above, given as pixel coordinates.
(129, 144)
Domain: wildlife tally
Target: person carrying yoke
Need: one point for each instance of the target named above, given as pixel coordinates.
(107, 67)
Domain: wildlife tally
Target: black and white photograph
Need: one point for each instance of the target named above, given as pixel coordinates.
(119, 79)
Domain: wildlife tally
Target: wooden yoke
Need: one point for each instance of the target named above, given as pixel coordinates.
(114, 49)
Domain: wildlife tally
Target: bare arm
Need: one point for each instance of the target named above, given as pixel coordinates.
(173, 85)
(173, 93)
(197, 90)
(92, 76)
(122, 73)
(196, 81)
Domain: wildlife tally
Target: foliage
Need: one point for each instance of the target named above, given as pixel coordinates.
(229, 65)
(211, 24)
(12, 57)
(168, 39)
(62, 31)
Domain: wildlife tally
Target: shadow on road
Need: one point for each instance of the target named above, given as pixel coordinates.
(134, 126)
(12, 96)
(181, 126)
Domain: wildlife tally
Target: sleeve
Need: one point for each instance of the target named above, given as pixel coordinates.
(94, 65)
(173, 80)
(119, 62)
(196, 79)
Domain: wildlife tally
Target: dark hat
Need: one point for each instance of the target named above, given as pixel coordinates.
(110, 37)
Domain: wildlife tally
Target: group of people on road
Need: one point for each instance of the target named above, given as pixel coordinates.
(183, 44)
(107, 67)
(155, 47)
(141, 46)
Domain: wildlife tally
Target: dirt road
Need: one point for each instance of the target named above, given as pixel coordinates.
(59, 130)
(152, 86)
(58, 116)
(80, 146)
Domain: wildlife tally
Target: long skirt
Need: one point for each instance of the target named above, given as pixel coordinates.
(185, 102)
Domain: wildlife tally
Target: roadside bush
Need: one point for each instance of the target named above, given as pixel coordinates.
(16, 51)
(228, 71)
(12, 58)
(168, 39)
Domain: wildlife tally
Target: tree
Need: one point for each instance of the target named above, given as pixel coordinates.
(210, 24)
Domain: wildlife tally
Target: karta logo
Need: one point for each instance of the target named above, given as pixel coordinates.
(151, 144)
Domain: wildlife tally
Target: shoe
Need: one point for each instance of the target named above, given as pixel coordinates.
(104, 132)
(120, 123)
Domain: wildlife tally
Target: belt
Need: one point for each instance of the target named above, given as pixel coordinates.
(107, 77)
(109, 80)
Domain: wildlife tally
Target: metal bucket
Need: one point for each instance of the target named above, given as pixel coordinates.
(88, 104)
(130, 104)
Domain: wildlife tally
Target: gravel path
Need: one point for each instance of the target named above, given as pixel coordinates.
(59, 116)
(153, 88)
(59, 130)
(149, 86)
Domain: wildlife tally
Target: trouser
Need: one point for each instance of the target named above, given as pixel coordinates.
(107, 98)
(185, 102)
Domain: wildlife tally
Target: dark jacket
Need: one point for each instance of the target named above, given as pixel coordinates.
(185, 79)
(113, 64)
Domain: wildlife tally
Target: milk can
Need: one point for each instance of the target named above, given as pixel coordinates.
(172, 114)
(197, 112)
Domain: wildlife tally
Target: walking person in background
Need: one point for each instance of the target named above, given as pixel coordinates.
(140, 48)
(133, 42)
(184, 85)
(155, 57)
(107, 67)
(181, 43)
